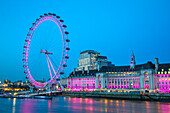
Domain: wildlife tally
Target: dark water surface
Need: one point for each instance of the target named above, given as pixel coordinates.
(80, 105)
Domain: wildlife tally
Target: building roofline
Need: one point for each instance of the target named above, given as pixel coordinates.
(89, 51)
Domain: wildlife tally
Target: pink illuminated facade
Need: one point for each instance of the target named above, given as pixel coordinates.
(82, 80)
(163, 78)
(155, 77)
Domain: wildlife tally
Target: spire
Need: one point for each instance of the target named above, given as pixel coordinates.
(132, 63)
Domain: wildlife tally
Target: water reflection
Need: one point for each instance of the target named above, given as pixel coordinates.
(82, 105)
(109, 105)
(165, 107)
(14, 102)
(49, 104)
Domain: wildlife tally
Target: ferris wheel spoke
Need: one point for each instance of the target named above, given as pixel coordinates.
(36, 40)
(51, 32)
(54, 60)
(53, 46)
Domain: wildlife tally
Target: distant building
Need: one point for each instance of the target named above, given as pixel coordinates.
(6, 81)
(91, 60)
(87, 60)
(102, 61)
(144, 76)
(64, 82)
(18, 83)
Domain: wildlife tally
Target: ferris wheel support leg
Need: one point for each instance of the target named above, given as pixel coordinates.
(49, 65)
(54, 88)
(60, 85)
(49, 88)
(52, 66)
(31, 89)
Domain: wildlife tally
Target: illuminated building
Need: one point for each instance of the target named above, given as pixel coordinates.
(64, 82)
(91, 60)
(144, 76)
(102, 61)
(80, 80)
(18, 83)
(87, 60)
(6, 81)
(163, 77)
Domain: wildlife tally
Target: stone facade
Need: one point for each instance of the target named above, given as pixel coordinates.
(144, 76)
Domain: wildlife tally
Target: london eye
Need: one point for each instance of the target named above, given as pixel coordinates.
(45, 55)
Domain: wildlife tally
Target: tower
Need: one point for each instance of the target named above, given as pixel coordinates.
(132, 62)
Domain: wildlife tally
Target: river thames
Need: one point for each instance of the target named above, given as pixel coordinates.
(81, 105)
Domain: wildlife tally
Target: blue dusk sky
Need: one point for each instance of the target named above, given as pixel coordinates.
(114, 28)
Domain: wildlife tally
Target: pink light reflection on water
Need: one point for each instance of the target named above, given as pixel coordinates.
(165, 107)
(49, 105)
(86, 105)
(28, 106)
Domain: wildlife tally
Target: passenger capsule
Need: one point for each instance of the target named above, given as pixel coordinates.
(64, 26)
(67, 40)
(66, 32)
(61, 20)
(66, 57)
(61, 73)
(57, 79)
(67, 48)
(57, 16)
(25, 71)
(64, 65)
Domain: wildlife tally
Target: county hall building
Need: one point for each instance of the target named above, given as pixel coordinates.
(95, 72)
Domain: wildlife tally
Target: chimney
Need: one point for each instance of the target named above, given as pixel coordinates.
(74, 71)
(83, 71)
(156, 65)
(88, 69)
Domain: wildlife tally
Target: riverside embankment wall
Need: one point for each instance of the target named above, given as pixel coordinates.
(115, 95)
